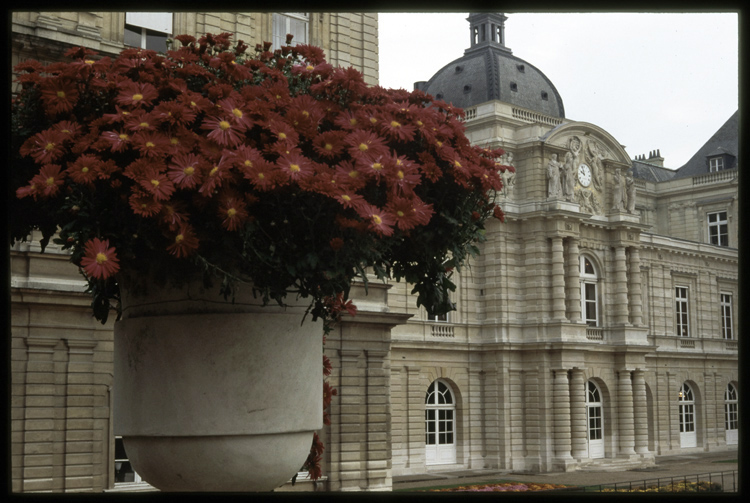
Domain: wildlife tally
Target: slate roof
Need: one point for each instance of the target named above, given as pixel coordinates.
(651, 173)
(724, 141)
(489, 71)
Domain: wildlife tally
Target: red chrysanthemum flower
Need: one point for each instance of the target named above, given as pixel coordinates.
(144, 204)
(44, 147)
(329, 145)
(84, 170)
(157, 185)
(184, 242)
(48, 180)
(378, 220)
(214, 174)
(396, 130)
(224, 131)
(151, 144)
(262, 174)
(234, 213)
(58, 95)
(136, 94)
(295, 166)
(119, 141)
(185, 170)
(99, 260)
(365, 145)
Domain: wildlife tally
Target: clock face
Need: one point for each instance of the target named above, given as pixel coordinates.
(584, 175)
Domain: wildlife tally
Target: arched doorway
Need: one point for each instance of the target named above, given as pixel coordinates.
(595, 420)
(440, 424)
(686, 401)
(731, 415)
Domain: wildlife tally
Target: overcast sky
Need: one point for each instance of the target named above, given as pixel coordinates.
(653, 81)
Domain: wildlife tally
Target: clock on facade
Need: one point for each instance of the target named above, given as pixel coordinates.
(584, 175)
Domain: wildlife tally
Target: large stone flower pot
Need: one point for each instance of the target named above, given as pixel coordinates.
(215, 396)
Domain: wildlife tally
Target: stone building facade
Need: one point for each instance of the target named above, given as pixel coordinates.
(597, 329)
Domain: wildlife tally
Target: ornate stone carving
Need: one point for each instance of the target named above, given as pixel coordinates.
(569, 177)
(595, 155)
(618, 192)
(554, 168)
(589, 202)
(630, 191)
(508, 176)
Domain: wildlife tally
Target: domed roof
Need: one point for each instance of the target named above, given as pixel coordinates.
(489, 71)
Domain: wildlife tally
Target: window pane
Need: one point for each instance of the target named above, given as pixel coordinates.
(132, 37)
(156, 41)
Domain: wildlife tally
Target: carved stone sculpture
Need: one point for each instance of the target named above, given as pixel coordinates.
(630, 191)
(617, 192)
(569, 177)
(554, 189)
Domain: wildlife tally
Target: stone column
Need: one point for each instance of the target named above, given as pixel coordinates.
(621, 288)
(578, 426)
(625, 413)
(639, 412)
(636, 307)
(561, 415)
(558, 279)
(573, 278)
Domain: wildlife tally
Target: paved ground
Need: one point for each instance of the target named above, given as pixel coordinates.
(665, 467)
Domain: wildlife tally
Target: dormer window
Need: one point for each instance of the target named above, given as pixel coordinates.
(545, 96)
(513, 86)
(715, 164)
(521, 68)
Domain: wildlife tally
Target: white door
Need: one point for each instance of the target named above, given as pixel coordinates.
(595, 421)
(440, 425)
(687, 417)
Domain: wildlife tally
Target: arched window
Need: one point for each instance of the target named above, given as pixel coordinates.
(595, 420)
(440, 424)
(589, 292)
(686, 401)
(731, 415)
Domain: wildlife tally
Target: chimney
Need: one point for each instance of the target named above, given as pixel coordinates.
(654, 158)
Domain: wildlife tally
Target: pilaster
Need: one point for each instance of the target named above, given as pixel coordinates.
(621, 287)
(573, 280)
(558, 279)
(578, 426)
(634, 288)
(639, 412)
(625, 416)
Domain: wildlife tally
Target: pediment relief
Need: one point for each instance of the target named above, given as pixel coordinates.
(588, 169)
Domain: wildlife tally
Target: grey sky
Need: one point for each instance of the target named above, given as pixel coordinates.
(653, 81)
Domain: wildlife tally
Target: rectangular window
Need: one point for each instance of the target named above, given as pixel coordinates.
(726, 316)
(148, 30)
(292, 23)
(589, 304)
(681, 311)
(715, 164)
(718, 228)
(731, 416)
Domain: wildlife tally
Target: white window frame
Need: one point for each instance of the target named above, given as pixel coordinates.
(150, 22)
(727, 318)
(715, 164)
(718, 230)
(687, 416)
(682, 310)
(594, 420)
(294, 23)
(441, 415)
(591, 279)
(731, 414)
